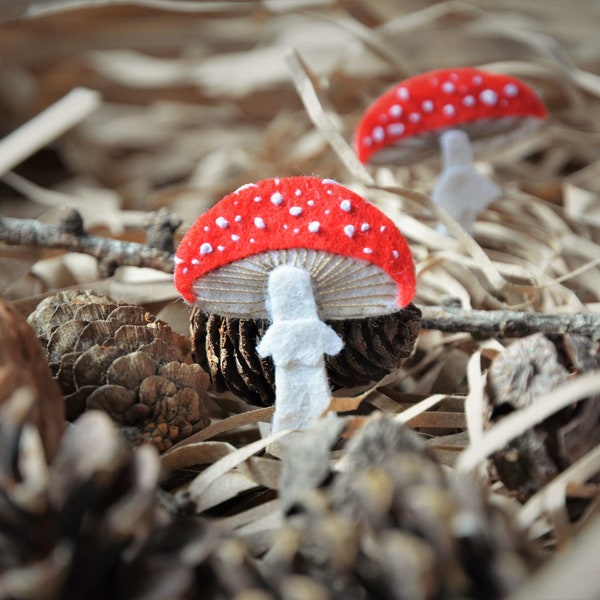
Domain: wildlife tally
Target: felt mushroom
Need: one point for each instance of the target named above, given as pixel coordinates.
(452, 107)
(296, 251)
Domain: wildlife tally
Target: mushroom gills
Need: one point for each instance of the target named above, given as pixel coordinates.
(488, 136)
(343, 289)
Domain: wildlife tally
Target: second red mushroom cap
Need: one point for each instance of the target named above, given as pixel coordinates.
(443, 99)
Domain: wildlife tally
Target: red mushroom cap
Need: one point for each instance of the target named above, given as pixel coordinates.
(291, 213)
(440, 100)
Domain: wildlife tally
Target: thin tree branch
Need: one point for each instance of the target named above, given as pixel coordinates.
(70, 235)
(507, 323)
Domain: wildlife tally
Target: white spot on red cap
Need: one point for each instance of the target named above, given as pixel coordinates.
(276, 180)
(206, 228)
(477, 80)
(345, 205)
(298, 192)
(310, 202)
(195, 261)
(349, 230)
(252, 240)
(185, 270)
(365, 227)
(395, 110)
(395, 129)
(296, 211)
(510, 90)
(468, 100)
(314, 226)
(205, 248)
(403, 93)
(296, 230)
(220, 248)
(489, 97)
(178, 260)
(235, 238)
(222, 222)
(395, 253)
(448, 87)
(427, 106)
(245, 187)
(368, 250)
(257, 199)
(328, 180)
(238, 218)
(453, 76)
(277, 198)
(449, 110)
(414, 117)
(382, 228)
(378, 134)
(259, 223)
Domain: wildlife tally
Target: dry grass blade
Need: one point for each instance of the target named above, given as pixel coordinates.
(517, 423)
(46, 127)
(201, 483)
(322, 121)
(573, 573)
(555, 491)
(181, 454)
(419, 408)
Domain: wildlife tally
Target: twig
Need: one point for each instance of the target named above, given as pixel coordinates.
(507, 323)
(70, 235)
(160, 227)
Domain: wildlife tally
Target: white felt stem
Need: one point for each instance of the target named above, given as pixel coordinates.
(461, 190)
(297, 341)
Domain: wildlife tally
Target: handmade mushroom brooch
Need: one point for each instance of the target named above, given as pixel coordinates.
(298, 285)
(452, 107)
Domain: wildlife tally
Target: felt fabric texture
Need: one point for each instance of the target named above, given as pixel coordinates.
(297, 341)
(302, 341)
(293, 212)
(303, 394)
(441, 99)
(461, 190)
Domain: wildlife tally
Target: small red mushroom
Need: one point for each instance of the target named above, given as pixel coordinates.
(296, 251)
(452, 107)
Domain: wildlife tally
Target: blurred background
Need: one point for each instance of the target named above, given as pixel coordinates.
(198, 98)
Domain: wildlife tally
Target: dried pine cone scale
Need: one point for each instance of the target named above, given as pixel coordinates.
(91, 366)
(112, 356)
(226, 348)
(392, 524)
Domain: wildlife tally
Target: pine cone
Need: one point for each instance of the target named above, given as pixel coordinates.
(373, 347)
(119, 358)
(392, 525)
(519, 377)
(91, 525)
(23, 365)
